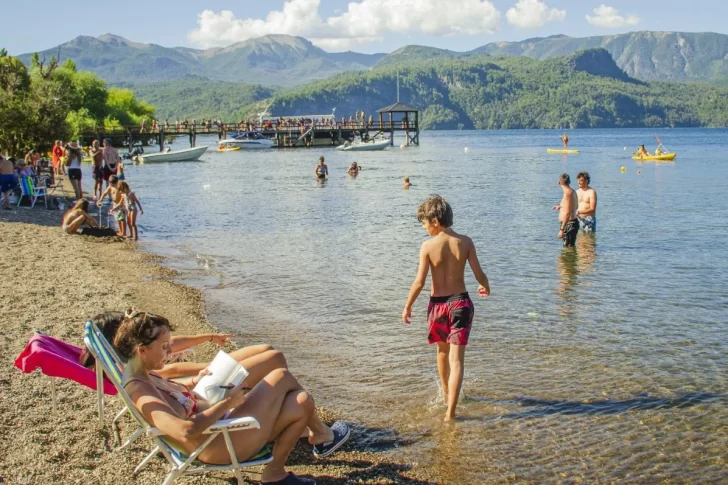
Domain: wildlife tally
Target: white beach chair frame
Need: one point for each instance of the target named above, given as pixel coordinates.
(181, 464)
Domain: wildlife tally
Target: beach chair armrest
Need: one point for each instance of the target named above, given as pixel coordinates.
(234, 424)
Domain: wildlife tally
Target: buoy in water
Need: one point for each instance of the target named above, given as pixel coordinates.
(206, 187)
(467, 150)
(625, 149)
(639, 172)
(623, 169)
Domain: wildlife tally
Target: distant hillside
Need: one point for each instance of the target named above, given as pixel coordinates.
(650, 56)
(584, 90)
(279, 60)
(197, 98)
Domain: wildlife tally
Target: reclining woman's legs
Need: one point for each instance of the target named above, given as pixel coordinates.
(283, 410)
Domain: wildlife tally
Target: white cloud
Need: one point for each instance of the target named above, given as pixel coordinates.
(363, 22)
(610, 18)
(531, 14)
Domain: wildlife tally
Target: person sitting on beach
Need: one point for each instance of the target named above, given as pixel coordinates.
(354, 169)
(24, 170)
(76, 217)
(450, 312)
(279, 403)
(322, 170)
(407, 183)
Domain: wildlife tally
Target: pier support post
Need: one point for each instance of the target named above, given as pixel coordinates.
(161, 139)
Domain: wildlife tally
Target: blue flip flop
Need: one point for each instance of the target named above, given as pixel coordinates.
(341, 435)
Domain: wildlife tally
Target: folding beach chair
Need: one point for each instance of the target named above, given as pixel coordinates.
(56, 358)
(180, 462)
(28, 189)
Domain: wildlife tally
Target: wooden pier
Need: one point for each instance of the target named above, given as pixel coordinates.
(397, 118)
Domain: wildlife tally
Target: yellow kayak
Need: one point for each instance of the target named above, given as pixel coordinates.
(560, 150)
(228, 149)
(664, 156)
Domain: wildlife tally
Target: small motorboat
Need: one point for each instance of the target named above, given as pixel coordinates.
(186, 155)
(663, 157)
(248, 140)
(561, 150)
(364, 146)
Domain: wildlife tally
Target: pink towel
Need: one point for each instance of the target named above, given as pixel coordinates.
(58, 359)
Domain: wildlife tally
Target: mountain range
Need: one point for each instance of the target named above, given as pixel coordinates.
(282, 60)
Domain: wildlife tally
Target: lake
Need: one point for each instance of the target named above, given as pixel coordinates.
(608, 363)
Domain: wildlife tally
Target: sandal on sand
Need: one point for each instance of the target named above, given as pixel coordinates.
(341, 435)
(292, 479)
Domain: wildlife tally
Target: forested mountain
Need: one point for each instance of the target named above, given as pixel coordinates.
(650, 56)
(280, 60)
(197, 98)
(586, 89)
(283, 60)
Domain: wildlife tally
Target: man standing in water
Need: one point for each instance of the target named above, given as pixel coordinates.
(565, 140)
(111, 159)
(569, 224)
(587, 211)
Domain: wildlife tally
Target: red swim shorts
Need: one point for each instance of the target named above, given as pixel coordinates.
(450, 319)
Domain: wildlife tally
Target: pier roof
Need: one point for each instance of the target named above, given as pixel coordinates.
(398, 108)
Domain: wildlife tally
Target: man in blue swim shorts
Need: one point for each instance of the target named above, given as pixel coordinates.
(7, 180)
(587, 212)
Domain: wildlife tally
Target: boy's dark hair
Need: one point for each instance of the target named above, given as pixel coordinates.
(435, 209)
(565, 179)
(585, 176)
(113, 179)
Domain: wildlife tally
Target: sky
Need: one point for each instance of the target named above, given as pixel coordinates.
(337, 25)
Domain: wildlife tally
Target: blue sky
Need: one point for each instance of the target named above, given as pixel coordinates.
(360, 25)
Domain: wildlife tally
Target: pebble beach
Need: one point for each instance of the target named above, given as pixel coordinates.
(54, 282)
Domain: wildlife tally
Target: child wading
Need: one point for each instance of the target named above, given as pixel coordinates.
(450, 312)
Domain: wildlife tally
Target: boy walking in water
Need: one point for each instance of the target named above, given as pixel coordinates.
(450, 312)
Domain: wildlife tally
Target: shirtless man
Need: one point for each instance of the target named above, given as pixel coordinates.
(7, 180)
(587, 211)
(111, 159)
(565, 140)
(569, 224)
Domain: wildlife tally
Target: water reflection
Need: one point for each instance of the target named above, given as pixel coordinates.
(572, 265)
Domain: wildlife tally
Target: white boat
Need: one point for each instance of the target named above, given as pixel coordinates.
(364, 146)
(186, 155)
(247, 141)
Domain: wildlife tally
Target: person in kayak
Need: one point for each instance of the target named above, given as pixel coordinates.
(642, 150)
(322, 170)
(565, 140)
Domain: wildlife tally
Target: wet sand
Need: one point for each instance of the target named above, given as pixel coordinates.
(54, 282)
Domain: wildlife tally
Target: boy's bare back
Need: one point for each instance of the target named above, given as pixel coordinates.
(447, 254)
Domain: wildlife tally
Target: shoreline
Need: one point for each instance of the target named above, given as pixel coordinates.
(55, 282)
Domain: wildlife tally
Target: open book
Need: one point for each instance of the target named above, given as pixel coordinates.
(224, 371)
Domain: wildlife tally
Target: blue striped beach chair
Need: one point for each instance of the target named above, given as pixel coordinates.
(107, 361)
(29, 190)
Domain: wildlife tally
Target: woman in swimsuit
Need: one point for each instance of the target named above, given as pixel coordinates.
(77, 217)
(321, 170)
(279, 403)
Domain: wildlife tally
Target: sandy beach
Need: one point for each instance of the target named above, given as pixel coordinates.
(54, 282)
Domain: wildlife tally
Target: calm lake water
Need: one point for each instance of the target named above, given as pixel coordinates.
(604, 364)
